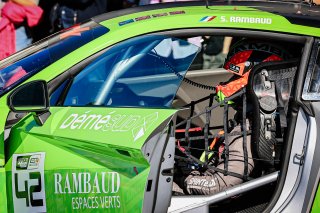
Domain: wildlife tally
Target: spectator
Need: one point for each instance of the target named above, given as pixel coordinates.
(42, 30)
(144, 2)
(66, 13)
(54, 20)
(215, 50)
(17, 16)
(130, 3)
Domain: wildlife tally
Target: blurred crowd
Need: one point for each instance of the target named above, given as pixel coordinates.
(25, 21)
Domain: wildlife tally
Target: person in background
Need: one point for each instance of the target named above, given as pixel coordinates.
(215, 50)
(17, 17)
(61, 14)
(145, 2)
(66, 13)
(129, 3)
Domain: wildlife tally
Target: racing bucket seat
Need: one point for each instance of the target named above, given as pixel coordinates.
(268, 74)
(263, 72)
(270, 88)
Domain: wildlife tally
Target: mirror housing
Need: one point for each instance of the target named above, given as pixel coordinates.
(31, 97)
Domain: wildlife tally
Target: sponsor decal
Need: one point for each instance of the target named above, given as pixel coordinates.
(201, 182)
(207, 18)
(142, 18)
(246, 20)
(159, 15)
(99, 190)
(126, 22)
(149, 17)
(177, 12)
(113, 122)
(28, 188)
(234, 68)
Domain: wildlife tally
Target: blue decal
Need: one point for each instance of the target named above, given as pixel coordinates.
(204, 18)
(126, 22)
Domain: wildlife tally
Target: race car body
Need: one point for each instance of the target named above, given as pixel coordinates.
(100, 117)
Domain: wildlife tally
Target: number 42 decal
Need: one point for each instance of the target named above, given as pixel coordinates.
(28, 188)
(28, 191)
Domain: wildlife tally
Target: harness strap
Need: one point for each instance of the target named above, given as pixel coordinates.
(186, 134)
(211, 147)
(196, 138)
(226, 142)
(244, 130)
(195, 160)
(211, 97)
(196, 129)
(206, 134)
(192, 109)
(281, 107)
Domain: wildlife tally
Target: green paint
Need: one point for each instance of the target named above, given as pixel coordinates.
(104, 193)
(3, 195)
(29, 108)
(316, 203)
(112, 126)
(95, 142)
(98, 148)
(226, 17)
(190, 19)
(3, 117)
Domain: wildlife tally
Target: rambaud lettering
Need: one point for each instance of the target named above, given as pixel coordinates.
(85, 183)
(250, 20)
(98, 190)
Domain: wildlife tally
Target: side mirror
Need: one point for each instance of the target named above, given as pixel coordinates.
(31, 97)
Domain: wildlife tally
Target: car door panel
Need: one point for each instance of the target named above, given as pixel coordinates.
(95, 165)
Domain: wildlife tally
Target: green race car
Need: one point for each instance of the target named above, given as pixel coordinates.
(110, 115)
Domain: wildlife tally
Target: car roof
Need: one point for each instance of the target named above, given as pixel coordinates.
(295, 13)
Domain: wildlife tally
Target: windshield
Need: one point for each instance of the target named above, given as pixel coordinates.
(31, 60)
(140, 72)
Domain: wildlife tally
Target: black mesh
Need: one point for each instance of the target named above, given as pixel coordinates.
(264, 151)
(206, 136)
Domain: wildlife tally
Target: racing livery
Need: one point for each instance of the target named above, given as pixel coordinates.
(109, 115)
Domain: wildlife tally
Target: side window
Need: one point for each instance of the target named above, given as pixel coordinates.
(55, 96)
(45, 52)
(215, 50)
(140, 72)
(311, 90)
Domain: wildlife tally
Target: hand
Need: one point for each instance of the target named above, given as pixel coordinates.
(26, 3)
(1, 6)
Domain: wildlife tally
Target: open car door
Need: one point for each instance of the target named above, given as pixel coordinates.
(106, 142)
